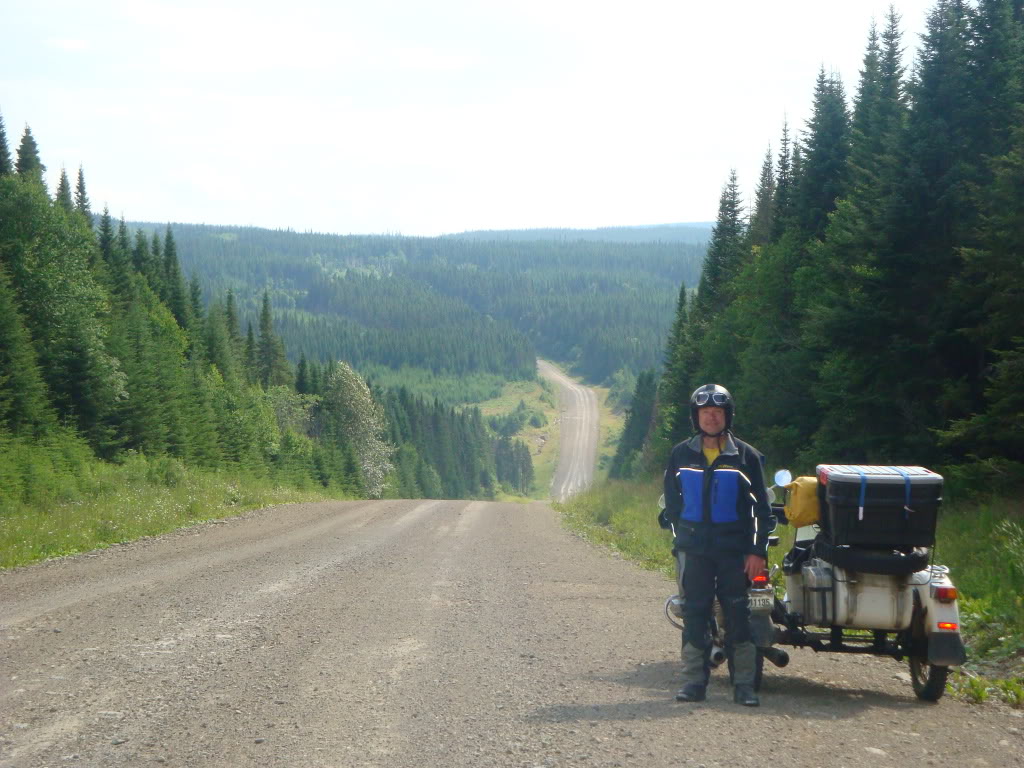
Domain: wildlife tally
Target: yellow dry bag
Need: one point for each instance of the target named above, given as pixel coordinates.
(802, 505)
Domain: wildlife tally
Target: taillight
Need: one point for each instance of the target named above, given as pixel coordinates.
(761, 580)
(952, 626)
(944, 594)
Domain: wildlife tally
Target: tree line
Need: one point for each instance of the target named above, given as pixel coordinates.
(865, 306)
(104, 343)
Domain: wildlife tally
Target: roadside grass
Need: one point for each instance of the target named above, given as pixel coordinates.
(105, 504)
(980, 542)
(611, 424)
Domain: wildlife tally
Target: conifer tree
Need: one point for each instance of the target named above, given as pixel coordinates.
(826, 148)
(635, 430)
(47, 256)
(302, 376)
(220, 350)
(24, 408)
(725, 255)
(29, 165)
(679, 367)
(195, 301)
(106, 236)
(251, 360)
(271, 363)
(175, 294)
(6, 164)
(762, 222)
(82, 204)
(63, 196)
(231, 317)
(783, 186)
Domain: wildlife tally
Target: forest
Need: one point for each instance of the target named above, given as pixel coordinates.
(108, 354)
(451, 305)
(865, 306)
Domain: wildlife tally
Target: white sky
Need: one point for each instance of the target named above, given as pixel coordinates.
(420, 117)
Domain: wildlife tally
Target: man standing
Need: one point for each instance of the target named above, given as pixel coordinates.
(718, 508)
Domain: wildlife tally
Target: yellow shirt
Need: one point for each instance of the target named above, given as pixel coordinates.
(710, 454)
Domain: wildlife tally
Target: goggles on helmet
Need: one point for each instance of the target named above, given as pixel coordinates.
(716, 398)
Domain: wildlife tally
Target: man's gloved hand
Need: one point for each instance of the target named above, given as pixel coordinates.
(663, 521)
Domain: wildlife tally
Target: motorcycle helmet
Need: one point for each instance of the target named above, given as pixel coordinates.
(711, 396)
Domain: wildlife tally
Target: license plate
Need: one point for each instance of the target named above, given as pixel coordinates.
(761, 602)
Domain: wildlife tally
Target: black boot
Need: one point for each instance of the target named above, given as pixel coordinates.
(692, 692)
(746, 695)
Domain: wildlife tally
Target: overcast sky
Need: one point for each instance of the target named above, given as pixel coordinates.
(420, 117)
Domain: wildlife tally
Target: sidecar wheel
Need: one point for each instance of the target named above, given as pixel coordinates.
(758, 670)
(929, 681)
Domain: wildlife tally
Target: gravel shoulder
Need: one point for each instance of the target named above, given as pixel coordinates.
(428, 633)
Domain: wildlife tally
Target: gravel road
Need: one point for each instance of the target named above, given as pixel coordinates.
(579, 434)
(416, 633)
(434, 634)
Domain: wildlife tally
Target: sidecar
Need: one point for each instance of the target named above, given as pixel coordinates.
(860, 579)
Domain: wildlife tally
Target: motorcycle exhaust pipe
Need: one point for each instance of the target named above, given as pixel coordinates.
(776, 656)
(717, 655)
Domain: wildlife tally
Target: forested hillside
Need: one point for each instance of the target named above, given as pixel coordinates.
(868, 309)
(450, 305)
(107, 354)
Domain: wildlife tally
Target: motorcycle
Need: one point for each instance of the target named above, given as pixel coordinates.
(859, 579)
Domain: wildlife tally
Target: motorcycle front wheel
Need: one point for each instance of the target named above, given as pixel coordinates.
(929, 681)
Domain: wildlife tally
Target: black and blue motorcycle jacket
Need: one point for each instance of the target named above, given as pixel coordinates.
(719, 508)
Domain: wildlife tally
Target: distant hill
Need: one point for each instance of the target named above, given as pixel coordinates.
(453, 305)
(694, 233)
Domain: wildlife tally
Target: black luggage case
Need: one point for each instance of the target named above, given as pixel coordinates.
(878, 507)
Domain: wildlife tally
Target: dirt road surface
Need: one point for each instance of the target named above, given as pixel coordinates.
(579, 434)
(416, 633)
(434, 634)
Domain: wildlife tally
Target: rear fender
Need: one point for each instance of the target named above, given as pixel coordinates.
(941, 624)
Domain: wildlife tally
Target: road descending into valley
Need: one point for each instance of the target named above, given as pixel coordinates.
(434, 634)
(579, 434)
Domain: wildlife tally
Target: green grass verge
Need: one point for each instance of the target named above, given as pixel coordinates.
(982, 543)
(610, 429)
(106, 504)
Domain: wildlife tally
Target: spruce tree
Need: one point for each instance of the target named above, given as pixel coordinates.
(636, 428)
(106, 236)
(251, 360)
(302, 385)
(63, 196)
(726, 254)
(195, 301)
(271, 363)
(175, 293)
(82, 204)
(823, 171)
(762, 221)
(29, 165)
(783, 186)
(24, 406)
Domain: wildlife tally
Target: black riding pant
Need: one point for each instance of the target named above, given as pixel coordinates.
(704, 577)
